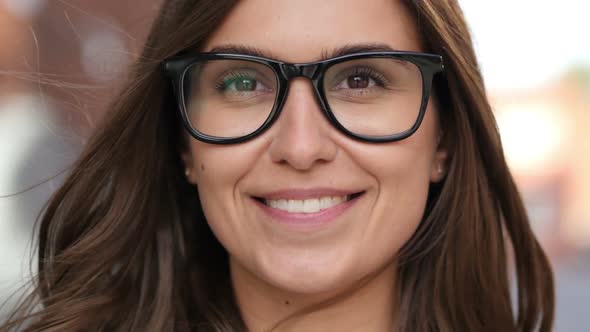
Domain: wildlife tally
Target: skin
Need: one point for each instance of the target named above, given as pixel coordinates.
(275, 270)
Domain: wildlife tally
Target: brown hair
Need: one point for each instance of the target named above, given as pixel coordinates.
(124, 245)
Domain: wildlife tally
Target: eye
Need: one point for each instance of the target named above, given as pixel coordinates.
(240, 82)
(359, 82)
(359, 78)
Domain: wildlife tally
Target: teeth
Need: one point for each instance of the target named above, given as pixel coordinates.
(306, 206)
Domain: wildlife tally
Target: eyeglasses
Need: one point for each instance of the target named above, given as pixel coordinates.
(372, 96)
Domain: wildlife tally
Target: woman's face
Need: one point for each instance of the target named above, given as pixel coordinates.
(303, 157)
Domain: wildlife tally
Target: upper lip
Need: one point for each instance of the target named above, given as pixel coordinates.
(302, 194)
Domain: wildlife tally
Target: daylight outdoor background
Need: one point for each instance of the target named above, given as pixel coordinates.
(535, 57)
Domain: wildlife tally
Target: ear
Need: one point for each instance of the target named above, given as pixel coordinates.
(439, 166)
(188, 163)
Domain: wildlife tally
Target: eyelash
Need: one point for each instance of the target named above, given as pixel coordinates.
(232, 75)
(379, 78)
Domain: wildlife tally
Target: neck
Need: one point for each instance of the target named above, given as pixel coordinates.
(368, 308)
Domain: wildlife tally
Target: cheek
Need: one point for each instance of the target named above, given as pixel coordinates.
(400, 206)
(219, 170)
(401, 171)
(402, 192)
(220, 167)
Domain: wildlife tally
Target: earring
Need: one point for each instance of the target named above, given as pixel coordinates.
(440, 168)
(187, 172)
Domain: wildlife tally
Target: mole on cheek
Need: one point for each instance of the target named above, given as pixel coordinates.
(202, 167)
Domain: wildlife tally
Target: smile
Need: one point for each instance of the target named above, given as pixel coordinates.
(306, 206)
(310, 205)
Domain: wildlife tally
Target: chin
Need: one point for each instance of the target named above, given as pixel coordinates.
(309, 276)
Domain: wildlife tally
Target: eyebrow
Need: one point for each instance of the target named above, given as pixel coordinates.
(326, 54)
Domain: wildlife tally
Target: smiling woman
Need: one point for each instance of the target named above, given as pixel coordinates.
(294, 166)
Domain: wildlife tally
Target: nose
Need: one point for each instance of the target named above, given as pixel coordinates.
(302, 136)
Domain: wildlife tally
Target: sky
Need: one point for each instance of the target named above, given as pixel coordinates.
(526, 43)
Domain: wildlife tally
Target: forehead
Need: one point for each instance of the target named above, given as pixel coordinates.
(303, 30)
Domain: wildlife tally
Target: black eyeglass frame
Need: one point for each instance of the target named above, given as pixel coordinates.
(177, 67)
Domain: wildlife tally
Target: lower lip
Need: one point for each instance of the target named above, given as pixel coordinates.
(307, 221)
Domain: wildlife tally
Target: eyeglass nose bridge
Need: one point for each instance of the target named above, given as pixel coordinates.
(290, 71)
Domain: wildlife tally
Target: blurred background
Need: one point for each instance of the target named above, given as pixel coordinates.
(535, 57)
